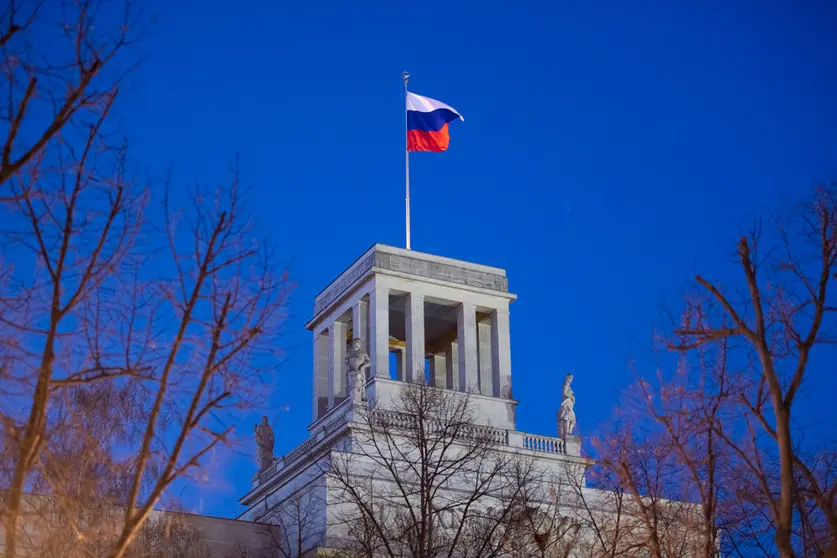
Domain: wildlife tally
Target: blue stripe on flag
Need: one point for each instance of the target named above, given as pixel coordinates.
(429, 121)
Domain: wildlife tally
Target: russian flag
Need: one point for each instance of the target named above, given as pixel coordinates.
(427, 123)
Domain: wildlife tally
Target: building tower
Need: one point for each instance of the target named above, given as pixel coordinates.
(416, 315)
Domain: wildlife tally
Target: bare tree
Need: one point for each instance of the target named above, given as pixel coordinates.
(687, 408)
(785, 311)
(169, 535)
(705, 429)
(296, 527)
(189, 333)
(643, 464)
(420, 478)
(609, 530)
(543, 525)
(76, 228)
(817, 487)
(76, 485)
(690, 471)
(69, 208)
(79, 486)
(207, 339)
(183, 318)
(56, 70)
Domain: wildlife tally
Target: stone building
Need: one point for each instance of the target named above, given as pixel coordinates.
(416, 315)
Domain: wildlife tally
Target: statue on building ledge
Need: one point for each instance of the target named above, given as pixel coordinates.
(264, 444)
(566, 413)
(357, 361)
(506, 388)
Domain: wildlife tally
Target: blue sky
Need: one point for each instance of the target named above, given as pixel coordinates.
(608, 152)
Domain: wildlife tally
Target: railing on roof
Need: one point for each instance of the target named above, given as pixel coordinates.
(543, 444)
(394, 419)
(398, 420)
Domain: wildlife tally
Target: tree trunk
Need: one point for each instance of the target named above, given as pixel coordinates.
(784, 524)
(33, 436)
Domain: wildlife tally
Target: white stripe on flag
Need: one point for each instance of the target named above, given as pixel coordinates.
(426, 104)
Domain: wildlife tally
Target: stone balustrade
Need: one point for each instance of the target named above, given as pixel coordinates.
(496, 436)
(277, 466)
(397, 420)
(302, 449)
(392, 419)
(543, 444)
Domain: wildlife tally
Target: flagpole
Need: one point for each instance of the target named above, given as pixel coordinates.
(406, 77)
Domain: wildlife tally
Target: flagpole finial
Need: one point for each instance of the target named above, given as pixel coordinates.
(406, 77)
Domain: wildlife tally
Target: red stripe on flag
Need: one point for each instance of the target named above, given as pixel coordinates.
(428, 141)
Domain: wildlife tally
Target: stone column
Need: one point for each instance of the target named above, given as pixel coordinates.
(466, 322)
(336, 361)
(415, 336)
(501, 354)
(320, 372)
(452, 366)
(360, 322)
(438, 371)
(484, 352)
(379, 331)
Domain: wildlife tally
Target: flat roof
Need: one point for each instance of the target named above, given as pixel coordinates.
(420, 264)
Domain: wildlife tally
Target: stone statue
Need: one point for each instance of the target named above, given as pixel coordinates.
(566, 414)
(506, 388)
(357, 361)
(264, 443)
